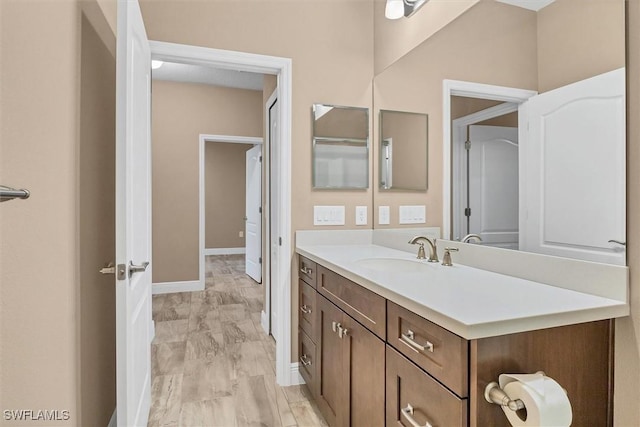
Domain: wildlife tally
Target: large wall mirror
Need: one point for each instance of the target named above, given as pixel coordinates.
(558, 47)
(340, 147)
(403, 145)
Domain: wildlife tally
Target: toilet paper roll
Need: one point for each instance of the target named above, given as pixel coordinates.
(546, 403)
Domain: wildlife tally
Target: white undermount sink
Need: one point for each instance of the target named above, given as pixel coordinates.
(394, 265)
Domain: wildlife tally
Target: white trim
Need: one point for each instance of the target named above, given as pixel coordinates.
(231, 139)
(113, 422)
(267, 217)
(458, 138)
(469, 90)
(264, 321)
(282, 67)
(295, 378)
(171, 287)
(225, 251)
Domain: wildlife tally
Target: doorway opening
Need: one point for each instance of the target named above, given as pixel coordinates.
(276, 272)
(485, 170)
(507, 100)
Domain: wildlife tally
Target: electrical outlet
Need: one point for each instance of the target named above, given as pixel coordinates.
(241, 234)
(361, 215)
(328, 215)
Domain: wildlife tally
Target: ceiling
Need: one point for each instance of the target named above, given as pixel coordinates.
(187, 73)
(535, 5)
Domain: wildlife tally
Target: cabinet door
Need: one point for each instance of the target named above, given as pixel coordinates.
(364, 363)
(333, 386)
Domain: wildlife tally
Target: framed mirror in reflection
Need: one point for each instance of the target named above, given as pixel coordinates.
(340, 147)
(403, 150)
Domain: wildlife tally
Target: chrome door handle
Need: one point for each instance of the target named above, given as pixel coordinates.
(305, 309)
(407, 413)
(335, 326)
(108, 269)
(409, 339)
(119, 270)
(137, 268)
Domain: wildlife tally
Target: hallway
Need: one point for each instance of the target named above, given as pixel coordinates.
(213, 365)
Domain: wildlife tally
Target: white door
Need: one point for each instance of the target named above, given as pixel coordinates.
(574, 170)
(493, 185)
(253, 214)
(133, 218)
(274, 185)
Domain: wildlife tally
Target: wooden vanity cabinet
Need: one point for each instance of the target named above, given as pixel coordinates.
(367, 359)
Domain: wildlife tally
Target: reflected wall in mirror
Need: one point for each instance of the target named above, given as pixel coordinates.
(340, 147)
(504, 45)
(403, 150)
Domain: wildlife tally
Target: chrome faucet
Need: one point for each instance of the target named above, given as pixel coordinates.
(468, 237)
(433, 252)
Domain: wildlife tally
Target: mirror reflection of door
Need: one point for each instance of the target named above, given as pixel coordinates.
(492, 180)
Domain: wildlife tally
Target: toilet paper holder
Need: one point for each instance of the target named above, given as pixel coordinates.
(494, 394)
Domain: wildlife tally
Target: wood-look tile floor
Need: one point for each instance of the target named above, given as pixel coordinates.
(212, 363)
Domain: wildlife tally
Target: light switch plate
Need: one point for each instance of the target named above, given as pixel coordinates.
(361, 215)
(412, 214)
(384, 215)
(328, 215)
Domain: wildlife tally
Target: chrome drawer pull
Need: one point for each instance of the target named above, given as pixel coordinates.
(409, 339)
(304, 359)
(342, 332)
(407, 413)
(305, 309)
(306, 270)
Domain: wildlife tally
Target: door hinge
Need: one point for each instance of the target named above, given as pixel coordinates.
(280, 241)
(467, 211)
(260, 260)
(467, 145)
(260, 159)
(259, 209)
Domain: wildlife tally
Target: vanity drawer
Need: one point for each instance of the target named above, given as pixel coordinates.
(430, 402)
(360, 303)
(307, 358)
(307, 270)
(307, 309)
(439, 352)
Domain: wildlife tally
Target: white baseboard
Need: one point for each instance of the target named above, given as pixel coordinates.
(171, 287)
(264, 321)
(295, 377)
(225, 251)
(113, 422)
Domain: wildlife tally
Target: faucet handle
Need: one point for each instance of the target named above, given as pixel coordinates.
(446, 259)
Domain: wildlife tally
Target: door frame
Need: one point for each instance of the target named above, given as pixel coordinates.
(286, 372)
(202, 140)
(469, 90)
(265, 315)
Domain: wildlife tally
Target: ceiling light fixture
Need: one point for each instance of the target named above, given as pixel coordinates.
(396, 9)
(155, 64)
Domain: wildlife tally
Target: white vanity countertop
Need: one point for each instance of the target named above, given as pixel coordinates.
(470, 302)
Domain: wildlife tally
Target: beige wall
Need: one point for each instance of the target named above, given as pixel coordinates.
(225, 193)
(96, 215)
(591, 35)
(627, 352)
(38, 241)
(462, 106)
(395, 38)
(457, 52)
(180, 113)
(57, 106)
